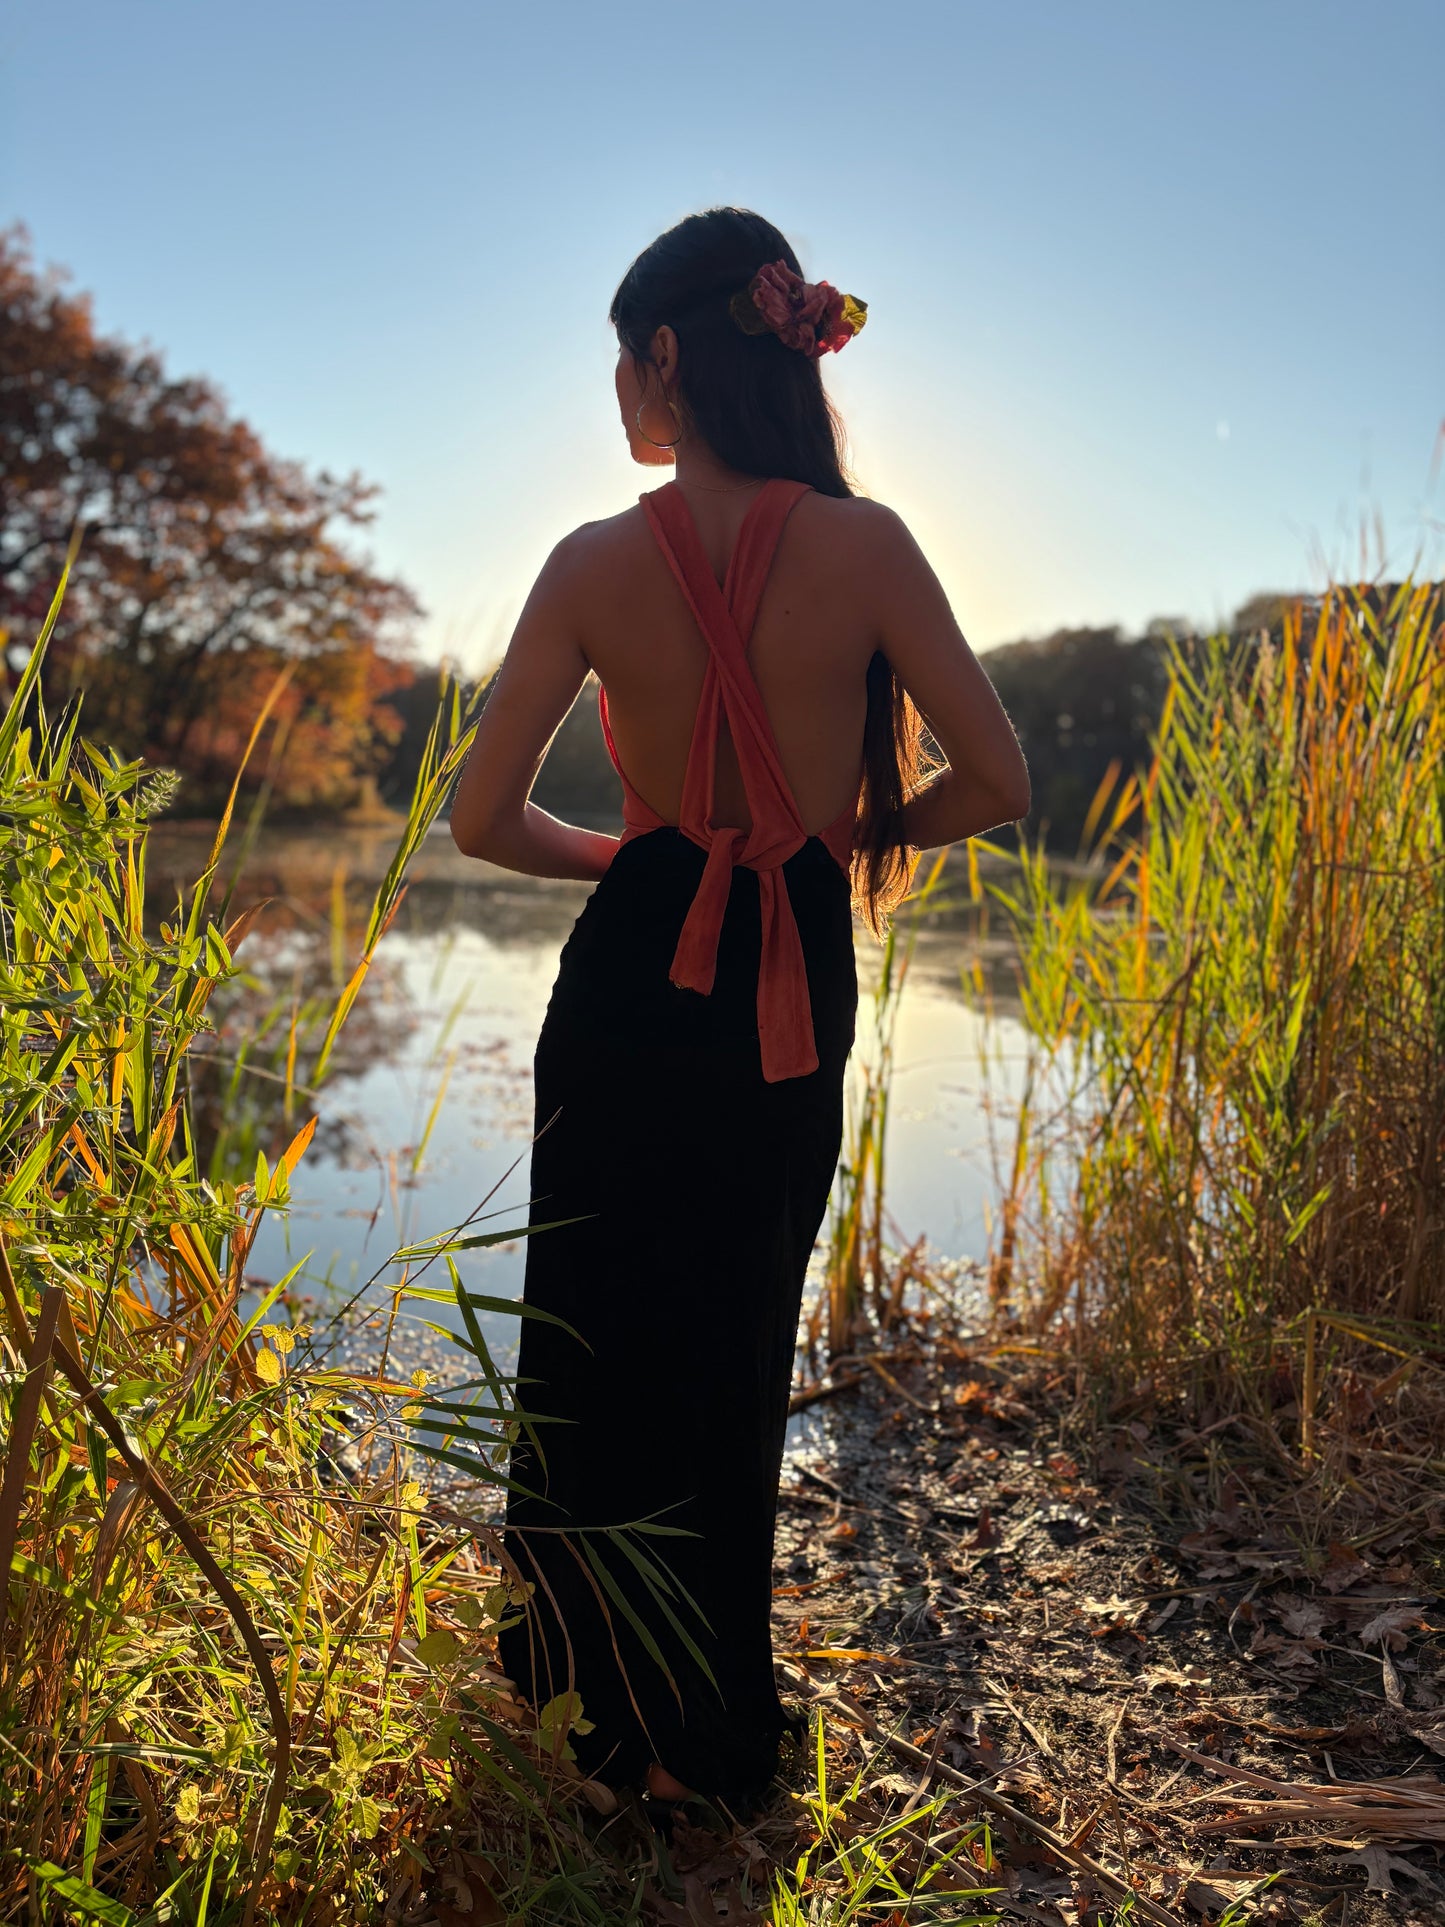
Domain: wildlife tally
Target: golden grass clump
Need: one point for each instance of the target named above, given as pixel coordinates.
(1230, 1178)
(244, 1668)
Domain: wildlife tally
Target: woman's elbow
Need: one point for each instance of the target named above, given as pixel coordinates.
(472, 833)
(1016, 799)
(1011, 792)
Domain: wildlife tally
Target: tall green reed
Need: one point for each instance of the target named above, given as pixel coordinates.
(215, 1691)
(865, 1866)
(1239, 1195)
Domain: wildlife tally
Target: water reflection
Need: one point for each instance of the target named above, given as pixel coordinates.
(425, 1115)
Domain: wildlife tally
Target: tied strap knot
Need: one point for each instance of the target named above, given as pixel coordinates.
(694, 962)
(785, 1007)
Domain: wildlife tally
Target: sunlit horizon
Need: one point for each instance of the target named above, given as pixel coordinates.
(1154, 301)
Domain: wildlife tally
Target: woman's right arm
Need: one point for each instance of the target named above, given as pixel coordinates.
(986, 782)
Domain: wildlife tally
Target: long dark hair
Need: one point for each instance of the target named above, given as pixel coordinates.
(763, 410)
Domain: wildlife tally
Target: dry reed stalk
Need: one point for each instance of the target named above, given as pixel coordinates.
(1229, 1178)
(1410, 1809)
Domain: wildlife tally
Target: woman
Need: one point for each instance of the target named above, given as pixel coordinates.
(765, 641)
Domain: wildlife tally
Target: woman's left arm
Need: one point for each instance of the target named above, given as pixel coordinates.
(531, 692)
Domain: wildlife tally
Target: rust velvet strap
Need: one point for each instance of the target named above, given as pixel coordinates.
(725, 615)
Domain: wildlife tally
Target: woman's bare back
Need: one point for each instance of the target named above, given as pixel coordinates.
(847, 579)
(809, 653)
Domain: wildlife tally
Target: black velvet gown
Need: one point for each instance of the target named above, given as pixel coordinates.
(696, 1187)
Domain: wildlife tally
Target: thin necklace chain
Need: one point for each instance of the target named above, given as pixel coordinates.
(732, 488)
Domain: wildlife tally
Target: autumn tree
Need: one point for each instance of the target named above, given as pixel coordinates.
(206, 561)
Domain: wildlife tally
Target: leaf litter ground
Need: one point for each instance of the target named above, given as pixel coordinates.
(1121, 1644)
(1231, 1724)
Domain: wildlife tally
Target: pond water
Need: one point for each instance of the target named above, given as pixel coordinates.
(425, 1120)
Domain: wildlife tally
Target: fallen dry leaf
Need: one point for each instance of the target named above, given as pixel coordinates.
(1153, 1676)
(1112, 1614)
(1302, 1617)
(1429, 1729)
(1290, 1656)
(1380, 1864)
(1388, 1628)
(1345, 1567)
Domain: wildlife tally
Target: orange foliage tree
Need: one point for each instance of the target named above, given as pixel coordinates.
(206, 562)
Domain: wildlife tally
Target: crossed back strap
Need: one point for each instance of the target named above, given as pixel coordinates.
(725, 615)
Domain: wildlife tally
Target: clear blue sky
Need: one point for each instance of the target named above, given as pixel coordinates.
(1157, 292)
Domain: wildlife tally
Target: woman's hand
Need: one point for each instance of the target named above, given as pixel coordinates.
(530, 694)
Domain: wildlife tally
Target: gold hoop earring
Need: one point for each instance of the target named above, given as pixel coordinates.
(676, 416)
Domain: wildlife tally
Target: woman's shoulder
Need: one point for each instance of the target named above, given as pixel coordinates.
(599, 541)
(851, 529)
(857, 536)
(849, 518)
(589, 551)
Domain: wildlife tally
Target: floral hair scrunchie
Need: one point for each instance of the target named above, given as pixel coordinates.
(811, 316)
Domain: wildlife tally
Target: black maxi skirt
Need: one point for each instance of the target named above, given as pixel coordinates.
(698, 1191)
